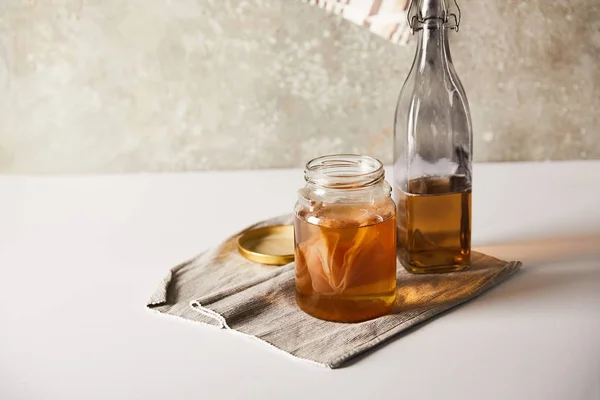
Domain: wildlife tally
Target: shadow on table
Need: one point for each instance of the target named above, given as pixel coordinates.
(427, 291)
(420, 292)
(546, 264)
(546, 250)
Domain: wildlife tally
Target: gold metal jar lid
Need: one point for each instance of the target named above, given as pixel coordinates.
(271, 245)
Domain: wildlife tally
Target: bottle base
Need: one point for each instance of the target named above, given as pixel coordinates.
(435, 262)
(434, 270)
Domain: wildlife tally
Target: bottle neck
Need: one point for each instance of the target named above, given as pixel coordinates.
(433, 46)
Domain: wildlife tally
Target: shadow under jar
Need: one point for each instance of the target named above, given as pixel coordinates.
(345, 240)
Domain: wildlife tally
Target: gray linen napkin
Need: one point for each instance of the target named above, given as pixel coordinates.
(221, 288)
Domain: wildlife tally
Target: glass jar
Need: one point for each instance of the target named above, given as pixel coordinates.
(433, 150)
(345, 239)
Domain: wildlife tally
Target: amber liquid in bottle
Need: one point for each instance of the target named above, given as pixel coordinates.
(434, 224)
(346, 272)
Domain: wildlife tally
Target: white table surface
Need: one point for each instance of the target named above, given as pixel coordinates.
(79, 256)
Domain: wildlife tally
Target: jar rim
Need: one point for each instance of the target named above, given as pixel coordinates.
(344, 171)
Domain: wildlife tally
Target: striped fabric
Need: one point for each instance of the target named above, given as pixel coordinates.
(386, 18)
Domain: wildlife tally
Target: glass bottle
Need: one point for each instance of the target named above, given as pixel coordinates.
(345, 239)
(433, 150)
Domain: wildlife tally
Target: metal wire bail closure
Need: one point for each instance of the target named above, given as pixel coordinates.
(416, 21)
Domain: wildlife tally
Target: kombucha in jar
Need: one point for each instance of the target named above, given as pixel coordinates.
(345, 240)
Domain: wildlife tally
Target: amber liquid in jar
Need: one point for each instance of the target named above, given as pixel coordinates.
(434, 224)
(345, 270)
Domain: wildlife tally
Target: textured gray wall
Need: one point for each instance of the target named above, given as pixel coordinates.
(155, 85)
